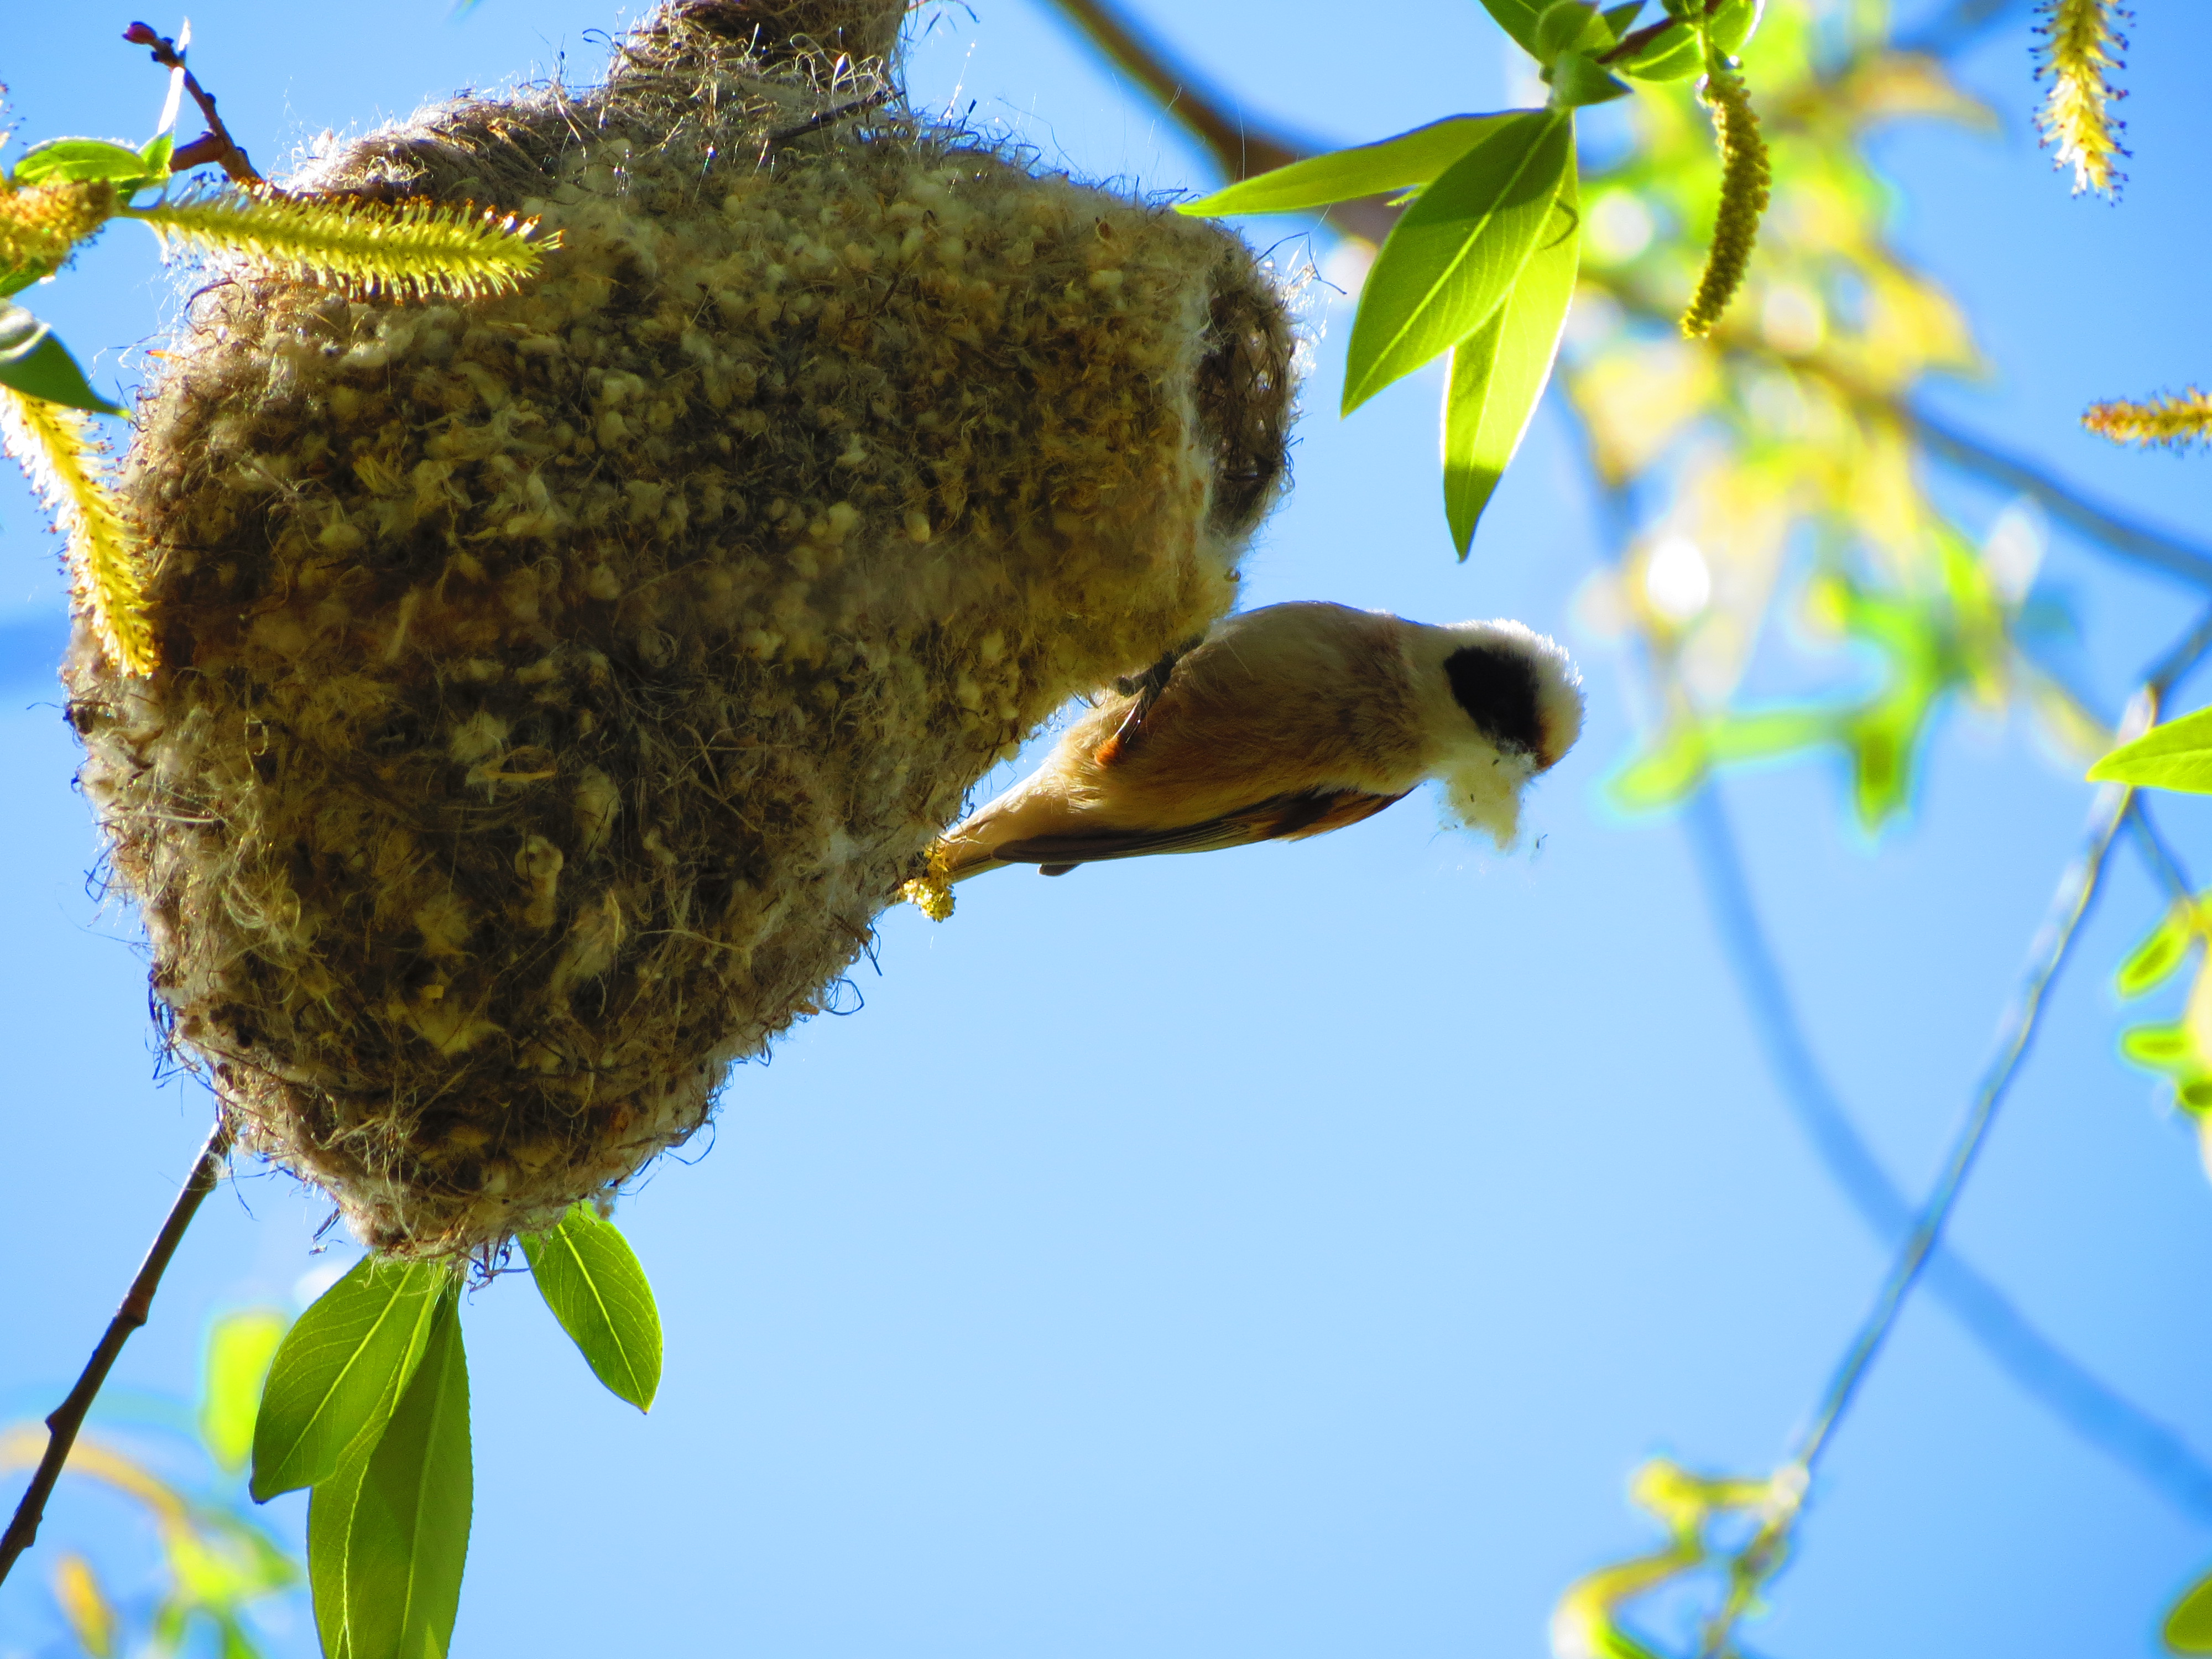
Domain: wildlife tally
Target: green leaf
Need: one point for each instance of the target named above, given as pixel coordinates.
(80, 160)
(2158, 955)
(2188, 1626)
(1674, 55)
(1344, 175)
(1565, 25)
(590, 1278)
(2159, 1047)
(1453, 255)
(1518, 19)
(34, 363)
(388, 1533)
(1499, 372)
(155, 157)
(1731, 26)
(1578, 80)
(1618, 18)
(238, 1350)
(340, 1371)
(2175, 755)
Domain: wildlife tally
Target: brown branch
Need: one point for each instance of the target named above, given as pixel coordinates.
(1238, 150)
(66, 1419)
(216, 145)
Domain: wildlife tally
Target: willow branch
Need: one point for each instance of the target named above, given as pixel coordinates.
(68, 1418)
(2076, 1396)
(1237, 148)
(2077, 888)
(216, 145)
(1239, 151)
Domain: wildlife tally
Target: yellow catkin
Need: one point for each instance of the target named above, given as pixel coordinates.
(57, 449)
(2081, 46)
(407, 249)
(1746, 178)
(2178, 419)
(41, 226)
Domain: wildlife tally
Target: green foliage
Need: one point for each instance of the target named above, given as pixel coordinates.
(388, 1533)
(592, 1281)
(2187, 1627)
(1499, 372)
(1411, 158)
(82, 160)
(219, 1562)
(239, 1349)
(2175, 755)
(341, 1370)
(1454, 255)
(2163, 951)
(34, 363)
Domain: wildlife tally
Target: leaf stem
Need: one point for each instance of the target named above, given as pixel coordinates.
(66, 1419)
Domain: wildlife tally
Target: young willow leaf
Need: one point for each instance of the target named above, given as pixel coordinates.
(2153, 961)
(1674, 55)
(35, 363)
(590, 1278)
(1454, 254)
(2187, 1627)
(1518, 19)
(82, 160)
(340, 1372)
(2159, 1048)
(1578, 80)
(388, 1533)
(1499, 372)
(2175, 755)
(238, 1350)
(1344, 175)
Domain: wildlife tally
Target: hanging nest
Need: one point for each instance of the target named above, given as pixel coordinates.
(556, 685)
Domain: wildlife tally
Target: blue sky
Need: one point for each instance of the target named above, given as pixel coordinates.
(1293, 1250)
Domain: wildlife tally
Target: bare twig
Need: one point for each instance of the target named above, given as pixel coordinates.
(1239, 149)
(2084, 1402)
(2077, 886)
(822, 119)
(66, 1419)
(217, 145)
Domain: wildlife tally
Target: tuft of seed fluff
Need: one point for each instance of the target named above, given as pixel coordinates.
(2081, 46)
(556, 683)
(1745, 179)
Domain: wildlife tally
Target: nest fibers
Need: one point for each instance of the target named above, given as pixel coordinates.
(556, 685)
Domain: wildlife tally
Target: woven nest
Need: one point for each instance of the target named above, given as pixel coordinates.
(556, 685)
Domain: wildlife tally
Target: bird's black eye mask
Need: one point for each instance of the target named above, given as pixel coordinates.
(1498, 688)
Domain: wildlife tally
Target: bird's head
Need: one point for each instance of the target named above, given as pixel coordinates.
(1522, 700)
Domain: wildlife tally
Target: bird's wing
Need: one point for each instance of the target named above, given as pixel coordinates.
(1285, 818)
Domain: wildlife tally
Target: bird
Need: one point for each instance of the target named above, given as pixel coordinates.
(1281, 723)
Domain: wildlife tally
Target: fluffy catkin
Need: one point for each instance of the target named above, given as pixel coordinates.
(557, 685)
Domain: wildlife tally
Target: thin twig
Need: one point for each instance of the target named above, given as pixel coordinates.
(1239, 149)
(2081, 1400)
(66, 1419)
(2156, 853)
(218, 146)
(822, 119)
(2077, 887)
